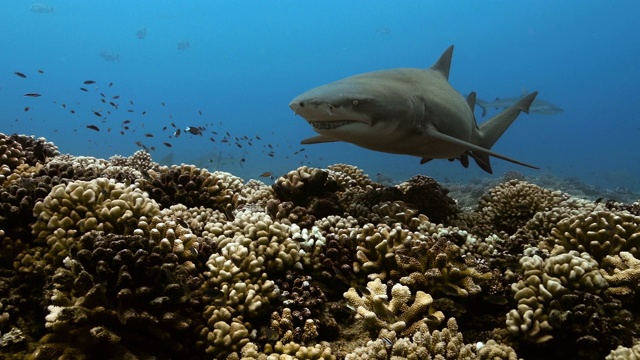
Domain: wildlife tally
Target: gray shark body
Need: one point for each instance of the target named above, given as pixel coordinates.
(406, 111)
(539, 106)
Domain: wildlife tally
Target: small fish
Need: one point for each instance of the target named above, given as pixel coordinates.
(212, 139)
(200, 112)
(84, 89)
(113, 104)
(167, 144)
(72, 111)
(97, 114)
(20, 74)
(163, 103)
(110, 84)
(89, 82)
(32, 95)
(93, 127)
(40, 71)
(193, 130)
(115, 97)
(126, 121)
(144, 113)
(177, 133)
(267, 174)
(148, 135)
(258, 137)
(121, 132)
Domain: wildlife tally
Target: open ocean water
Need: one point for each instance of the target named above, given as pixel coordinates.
(234, 66)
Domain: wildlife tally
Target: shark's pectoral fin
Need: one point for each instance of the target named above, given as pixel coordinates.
(425, 160)
(318, 139)
(475, 150)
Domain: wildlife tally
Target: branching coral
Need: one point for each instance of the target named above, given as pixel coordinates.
(599, 233)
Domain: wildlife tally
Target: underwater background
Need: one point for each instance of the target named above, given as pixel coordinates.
(246, 60)
(156, 201)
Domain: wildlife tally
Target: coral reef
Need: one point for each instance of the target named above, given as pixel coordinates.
(124, 258)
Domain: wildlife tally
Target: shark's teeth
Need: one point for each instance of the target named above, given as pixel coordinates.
(329, 124)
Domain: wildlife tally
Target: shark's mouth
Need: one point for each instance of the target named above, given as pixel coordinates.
(328, 125)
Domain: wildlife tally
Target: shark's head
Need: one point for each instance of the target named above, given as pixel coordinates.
(355, 109)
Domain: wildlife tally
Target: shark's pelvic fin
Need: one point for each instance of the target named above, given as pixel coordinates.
(444, 63)
(318, 139)
(479, 154)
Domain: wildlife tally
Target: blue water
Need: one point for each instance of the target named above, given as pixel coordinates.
(248, 59)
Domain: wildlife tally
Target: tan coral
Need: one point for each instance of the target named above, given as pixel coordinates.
(82, 206)
(381, 311)
(599, 233)
(622, 272)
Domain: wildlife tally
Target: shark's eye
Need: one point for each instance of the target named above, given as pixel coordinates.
(355, 102)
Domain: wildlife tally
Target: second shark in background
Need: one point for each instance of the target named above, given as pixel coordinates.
(539, 106)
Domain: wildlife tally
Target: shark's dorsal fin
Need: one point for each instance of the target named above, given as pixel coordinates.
(318, 139)
(444, 62)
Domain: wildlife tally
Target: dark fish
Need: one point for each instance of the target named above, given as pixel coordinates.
(126, 121)
(101, 94)
(89, 82)
(238, 145)
(212, 139)
(258, 137)
(199, 112)
(164, 128)
(115, 97)
(167, 144)
(72, 111)
(163, 103)
(32, 95)
(84, 89)
(148, 135)
(113, 104)
(121, 132)
(144, 113)
(97, 114)
(40, 71)
(93, 127)
(177, 133)
(193, 130)
(125, 127)
(174, 125)
(20, 74)
(110, 84)
(64, 105)
(26, 108)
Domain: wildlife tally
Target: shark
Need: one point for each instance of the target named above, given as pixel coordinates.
(408, 111)
(539, 106)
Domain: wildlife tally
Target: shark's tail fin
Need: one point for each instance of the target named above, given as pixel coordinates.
(492, 129)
